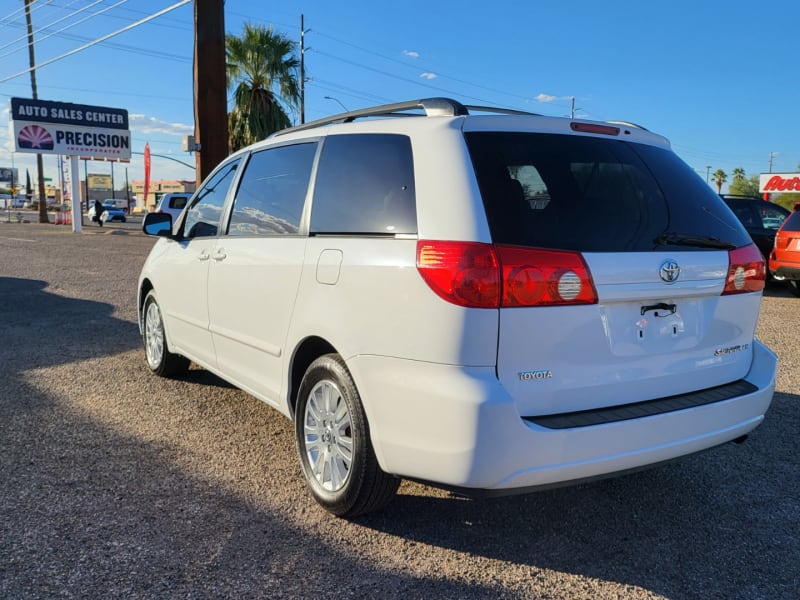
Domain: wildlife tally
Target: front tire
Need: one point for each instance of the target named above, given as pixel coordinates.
(336, 455)
(161, 361)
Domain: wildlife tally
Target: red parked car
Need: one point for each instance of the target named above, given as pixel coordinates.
(784, 260)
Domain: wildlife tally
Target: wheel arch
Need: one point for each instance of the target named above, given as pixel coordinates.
(306, 352)
(145, 287)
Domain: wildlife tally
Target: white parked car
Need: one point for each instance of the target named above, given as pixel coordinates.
(492, 303)
(109, 211)
(173, 203)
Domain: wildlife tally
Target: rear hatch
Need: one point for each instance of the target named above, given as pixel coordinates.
(672, 277)
(787, 241)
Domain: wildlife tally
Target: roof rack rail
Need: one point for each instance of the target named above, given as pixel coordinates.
(628, 124)
(431, 106)
(498, 110)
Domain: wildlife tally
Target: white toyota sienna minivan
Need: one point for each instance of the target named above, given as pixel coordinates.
(485, 300)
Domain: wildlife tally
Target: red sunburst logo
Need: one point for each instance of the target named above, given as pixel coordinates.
(35, 137)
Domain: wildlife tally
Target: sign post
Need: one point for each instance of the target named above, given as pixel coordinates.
(74, 130)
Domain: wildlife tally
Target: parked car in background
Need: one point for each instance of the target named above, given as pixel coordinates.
(486, 300)
(784, 261)
(761, 219)
(117, 202)
(173, 203)
(110, 212)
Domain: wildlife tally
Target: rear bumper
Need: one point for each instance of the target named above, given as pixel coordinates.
(784, 271)
(457, 427)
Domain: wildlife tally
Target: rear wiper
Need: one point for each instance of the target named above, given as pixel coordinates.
(682, 239)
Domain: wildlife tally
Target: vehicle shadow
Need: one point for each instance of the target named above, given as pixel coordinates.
(721, 524)
(777, 289)
(88, 510)
(102, 502)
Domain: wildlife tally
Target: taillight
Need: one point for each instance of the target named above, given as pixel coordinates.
(485, 276)
(746, 271)
(782, 241)
(464, 273)
(536, 277)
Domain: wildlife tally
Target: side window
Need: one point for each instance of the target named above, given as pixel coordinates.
(771, 216)
(272, 191)
(204, 215)
(365, 184)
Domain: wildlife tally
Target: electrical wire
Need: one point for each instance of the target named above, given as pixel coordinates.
(98, 40)
(52, 33)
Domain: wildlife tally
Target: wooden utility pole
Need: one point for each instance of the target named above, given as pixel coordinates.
(210, 86)
(43, 218)
(302, 70)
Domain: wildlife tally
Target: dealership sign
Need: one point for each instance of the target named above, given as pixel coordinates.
(770, 183)
(46, 127)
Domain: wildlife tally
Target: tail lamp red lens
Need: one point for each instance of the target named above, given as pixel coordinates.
(747, 271)
(480, 275)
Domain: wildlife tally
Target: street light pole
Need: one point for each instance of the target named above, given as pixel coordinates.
(337, 100)
(708, 173)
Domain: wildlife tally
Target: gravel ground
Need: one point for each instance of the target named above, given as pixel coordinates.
(115, 483)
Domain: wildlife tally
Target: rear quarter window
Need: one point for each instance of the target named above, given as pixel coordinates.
(365, 185)
(592, 194)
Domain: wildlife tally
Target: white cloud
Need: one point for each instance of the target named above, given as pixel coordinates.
(147, 124)
(546, 98)
(411, 53)
(428, 76)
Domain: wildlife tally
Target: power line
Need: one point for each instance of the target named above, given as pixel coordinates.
(98, 40)
(21, 11)
(52, 33)
(126, 48)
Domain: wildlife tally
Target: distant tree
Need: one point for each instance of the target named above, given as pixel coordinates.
(720, 177)
(744, 186)
(262, 70)
(786, 200)
(738, 174)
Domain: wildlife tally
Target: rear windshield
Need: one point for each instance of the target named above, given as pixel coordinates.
(178, 201)
(792, 222)
(596, 195)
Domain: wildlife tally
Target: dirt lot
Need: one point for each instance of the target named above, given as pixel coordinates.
(115, 483)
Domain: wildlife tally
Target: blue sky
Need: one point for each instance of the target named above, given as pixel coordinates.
(719, 79)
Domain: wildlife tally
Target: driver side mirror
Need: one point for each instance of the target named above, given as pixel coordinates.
(158, 224)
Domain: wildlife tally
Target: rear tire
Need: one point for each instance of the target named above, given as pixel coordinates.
(161, 361)
(333, 442)
(794, 286)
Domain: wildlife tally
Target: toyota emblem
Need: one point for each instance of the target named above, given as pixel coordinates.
(669, 271)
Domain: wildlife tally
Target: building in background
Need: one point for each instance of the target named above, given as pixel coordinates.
(158, 188)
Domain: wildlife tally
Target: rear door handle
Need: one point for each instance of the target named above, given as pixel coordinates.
(220, 255)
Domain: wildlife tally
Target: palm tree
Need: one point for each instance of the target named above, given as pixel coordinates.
(720, 177)
(738, 174)
(262, 70)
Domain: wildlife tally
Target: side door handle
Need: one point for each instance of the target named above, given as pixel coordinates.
(220, 255)
(204, 255)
